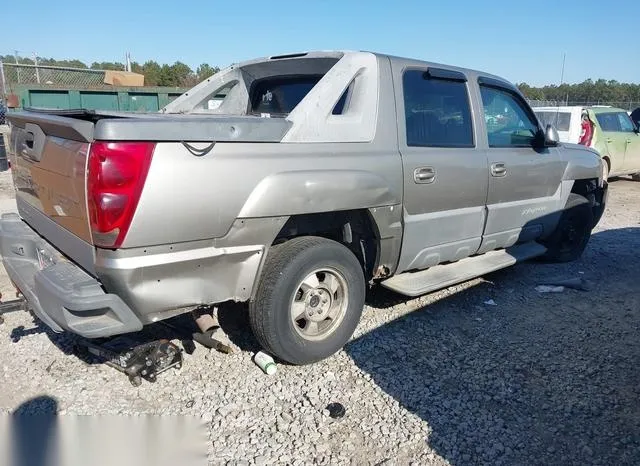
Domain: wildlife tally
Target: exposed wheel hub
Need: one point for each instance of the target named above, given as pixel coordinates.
(317, 303)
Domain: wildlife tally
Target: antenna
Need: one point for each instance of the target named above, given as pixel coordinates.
(564, 58)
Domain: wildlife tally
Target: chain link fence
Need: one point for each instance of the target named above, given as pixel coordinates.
(12, 74)
(625, 105)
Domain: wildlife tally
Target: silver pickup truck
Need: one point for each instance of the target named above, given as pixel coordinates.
(292, 183)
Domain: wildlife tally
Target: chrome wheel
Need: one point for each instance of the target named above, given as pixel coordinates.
(319, 304)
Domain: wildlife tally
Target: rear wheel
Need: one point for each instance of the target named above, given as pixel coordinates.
(309, 299)
(636, 177)
(572, 234)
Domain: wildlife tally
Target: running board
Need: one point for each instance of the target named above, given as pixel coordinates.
(441, 276)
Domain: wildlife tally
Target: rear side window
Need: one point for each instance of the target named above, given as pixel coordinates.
(626, 125)
(608, 122)
(560, 120)
(437, 111)
(278, 96)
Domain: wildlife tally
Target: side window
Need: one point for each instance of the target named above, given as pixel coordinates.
(437, 111)
(626, 125)
(509, 122)
(608, 122)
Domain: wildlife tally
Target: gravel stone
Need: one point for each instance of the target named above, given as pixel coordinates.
(436, 380)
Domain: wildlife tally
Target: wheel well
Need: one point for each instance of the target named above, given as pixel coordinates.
(589, 190)
(355, 229)
(585, 188)
(606, 159)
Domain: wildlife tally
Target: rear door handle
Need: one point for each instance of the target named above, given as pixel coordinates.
(424, 175)
(498, 169)
(609, 140)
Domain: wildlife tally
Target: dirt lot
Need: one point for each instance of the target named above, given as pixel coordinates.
(446, 378)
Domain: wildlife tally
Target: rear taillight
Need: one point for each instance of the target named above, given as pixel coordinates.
(586, 133)
(117, 172)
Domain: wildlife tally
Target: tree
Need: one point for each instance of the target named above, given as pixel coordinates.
(601, 91)
(107, 65)
(205, 71)
(152, 73)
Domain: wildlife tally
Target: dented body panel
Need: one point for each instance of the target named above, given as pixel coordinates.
(227, 177)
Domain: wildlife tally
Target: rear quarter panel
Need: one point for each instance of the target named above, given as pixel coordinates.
(188, 198)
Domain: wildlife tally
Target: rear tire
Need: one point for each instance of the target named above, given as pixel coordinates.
(573, 231)
(636, 177)
(309, 299)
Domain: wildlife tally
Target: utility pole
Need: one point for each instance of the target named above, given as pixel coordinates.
(3, 89)
(17, 67)
(35, 60)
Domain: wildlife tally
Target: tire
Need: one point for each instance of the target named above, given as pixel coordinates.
(569, 240)
(319, 280)
(636, 177)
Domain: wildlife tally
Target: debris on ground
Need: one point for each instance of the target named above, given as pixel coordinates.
(265, 362)
(336, 410)
(549, 289)
(490, 302)
(577, 283)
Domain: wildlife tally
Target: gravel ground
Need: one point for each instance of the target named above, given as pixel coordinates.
(443, 379)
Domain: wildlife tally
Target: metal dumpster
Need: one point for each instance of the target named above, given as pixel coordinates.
(124, 99)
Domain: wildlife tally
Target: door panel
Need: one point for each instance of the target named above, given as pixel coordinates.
(444, 219)
(613, 139)
(445, 175)
(632, 143)
(525, 190)
(632, 153)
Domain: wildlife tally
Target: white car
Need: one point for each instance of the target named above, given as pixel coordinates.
(567, 120)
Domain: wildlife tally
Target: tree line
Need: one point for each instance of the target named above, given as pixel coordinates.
(181, 75)
(600, 91)
(177, 75)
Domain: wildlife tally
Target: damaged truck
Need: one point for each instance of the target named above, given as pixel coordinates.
(292, 183)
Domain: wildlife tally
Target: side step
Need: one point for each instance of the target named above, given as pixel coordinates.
(441, 276)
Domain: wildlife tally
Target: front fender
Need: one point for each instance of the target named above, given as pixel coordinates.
(583, 163)
(306, 192)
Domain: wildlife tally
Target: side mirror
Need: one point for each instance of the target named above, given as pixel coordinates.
(551, 137)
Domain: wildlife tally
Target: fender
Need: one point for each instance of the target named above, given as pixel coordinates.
(582, 163)
(306, 192)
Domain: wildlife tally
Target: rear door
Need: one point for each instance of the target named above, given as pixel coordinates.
(631, 161)
(445, 174)
(524, 182)
(614, 140)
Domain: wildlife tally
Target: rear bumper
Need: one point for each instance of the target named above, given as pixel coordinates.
(60, 293)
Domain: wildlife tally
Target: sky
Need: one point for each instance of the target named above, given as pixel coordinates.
(520, 41)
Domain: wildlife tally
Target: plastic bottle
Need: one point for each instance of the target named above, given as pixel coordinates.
(265, 362)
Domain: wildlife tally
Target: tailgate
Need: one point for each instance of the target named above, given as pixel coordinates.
(48, 156)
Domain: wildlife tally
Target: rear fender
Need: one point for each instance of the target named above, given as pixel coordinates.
(306, 192)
